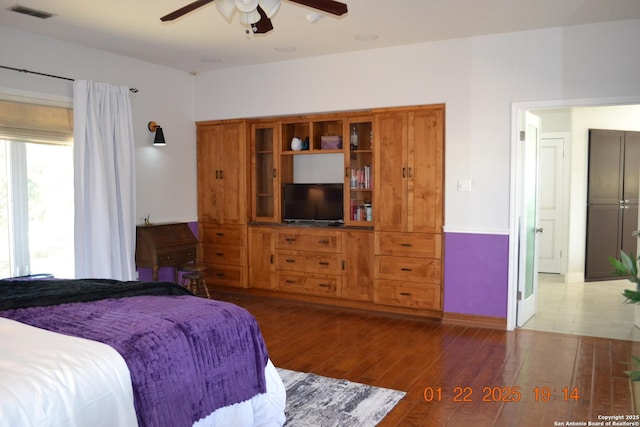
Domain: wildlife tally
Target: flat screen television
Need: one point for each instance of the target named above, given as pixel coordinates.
(313, 202)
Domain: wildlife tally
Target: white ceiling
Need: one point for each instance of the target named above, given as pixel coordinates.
(204, 40)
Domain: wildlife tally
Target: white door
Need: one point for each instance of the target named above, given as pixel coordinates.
(550, 203)
(528, 225)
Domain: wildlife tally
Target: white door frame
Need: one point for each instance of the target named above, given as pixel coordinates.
(515, 179)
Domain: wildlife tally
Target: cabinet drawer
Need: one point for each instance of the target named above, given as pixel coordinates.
(318, 262)
(393, 292)
(223, 234)
(425, 245)
(225, 275)
(411, 269)
(223, 254)
(176, 255)
(315, 284)
(310, 240)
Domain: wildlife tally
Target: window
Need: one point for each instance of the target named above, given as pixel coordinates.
(36, 209)
(36, 192)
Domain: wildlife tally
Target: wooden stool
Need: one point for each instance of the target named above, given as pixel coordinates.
(195, 283)
(193, 278)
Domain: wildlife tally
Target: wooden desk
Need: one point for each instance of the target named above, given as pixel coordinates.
(165, 245)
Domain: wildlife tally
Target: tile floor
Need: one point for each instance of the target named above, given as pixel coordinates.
(592, 308)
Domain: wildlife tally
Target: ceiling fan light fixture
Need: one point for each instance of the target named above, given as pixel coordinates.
(270, 7)
(226, 8)
(249, 18)
(247, 5)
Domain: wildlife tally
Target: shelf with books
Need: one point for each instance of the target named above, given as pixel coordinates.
(359, 171)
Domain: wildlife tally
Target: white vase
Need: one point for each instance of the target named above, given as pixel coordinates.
(296, 144)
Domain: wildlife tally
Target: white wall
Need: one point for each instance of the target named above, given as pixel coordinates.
(478, 79)
(166, 178)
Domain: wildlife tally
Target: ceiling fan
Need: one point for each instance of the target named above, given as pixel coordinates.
(256, 13)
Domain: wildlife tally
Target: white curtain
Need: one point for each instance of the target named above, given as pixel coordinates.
(104, 167)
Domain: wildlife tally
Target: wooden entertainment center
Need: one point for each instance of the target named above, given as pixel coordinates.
(386, 256)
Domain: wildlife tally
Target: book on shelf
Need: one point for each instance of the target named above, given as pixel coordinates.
(361, 178)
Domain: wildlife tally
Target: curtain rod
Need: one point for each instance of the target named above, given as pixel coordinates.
(132, 89)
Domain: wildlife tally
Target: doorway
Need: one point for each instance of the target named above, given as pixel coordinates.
(575, 120)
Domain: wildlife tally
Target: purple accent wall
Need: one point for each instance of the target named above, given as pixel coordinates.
(165, 274)
(476, 274)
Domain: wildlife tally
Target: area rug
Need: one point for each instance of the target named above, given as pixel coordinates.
(316, 401)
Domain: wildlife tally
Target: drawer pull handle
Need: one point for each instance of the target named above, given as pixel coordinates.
(405, 269)
(290, 239)
(290, 281)
(219, 234)
(405, 294)
(406, 245)
(220, 274)
(291, 260)
(324, 285)
(219, 254)
(323, 263)
(324, 242)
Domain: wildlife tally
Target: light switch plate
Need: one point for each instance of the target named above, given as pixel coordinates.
(464, 184)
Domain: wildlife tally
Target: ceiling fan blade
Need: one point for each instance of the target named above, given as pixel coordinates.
(184, 10)
(264, 24)
(329, 6)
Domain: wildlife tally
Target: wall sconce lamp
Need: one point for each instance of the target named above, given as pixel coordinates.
(159, 137)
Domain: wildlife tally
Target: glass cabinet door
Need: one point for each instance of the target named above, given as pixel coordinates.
(359, 172)
(264, 173)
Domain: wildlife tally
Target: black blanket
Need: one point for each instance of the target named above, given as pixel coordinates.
(38, 293)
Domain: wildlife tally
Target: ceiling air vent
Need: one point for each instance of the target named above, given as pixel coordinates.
(31, 12)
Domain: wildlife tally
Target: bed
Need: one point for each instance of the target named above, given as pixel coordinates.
(106, 353)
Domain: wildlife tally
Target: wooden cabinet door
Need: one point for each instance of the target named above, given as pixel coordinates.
(262, 247)
(409, 163)
(390, 168)
(221, 173)
(358, 260)
(631, 161)
(207, 174)
(424, 171)
(265, 192)
(605, 174)
(232, 165)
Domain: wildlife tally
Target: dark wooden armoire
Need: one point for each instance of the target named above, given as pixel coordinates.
(612, 199)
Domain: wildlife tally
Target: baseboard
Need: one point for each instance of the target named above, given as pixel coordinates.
(575, 277)
(475, 321)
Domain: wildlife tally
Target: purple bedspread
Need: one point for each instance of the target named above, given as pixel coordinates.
(187, 356)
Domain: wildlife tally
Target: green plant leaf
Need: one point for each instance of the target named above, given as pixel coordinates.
(627, 266)
(632, 297)
(629, 263)
(633, 375)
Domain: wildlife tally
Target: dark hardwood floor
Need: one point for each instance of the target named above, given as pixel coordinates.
(453, 376)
